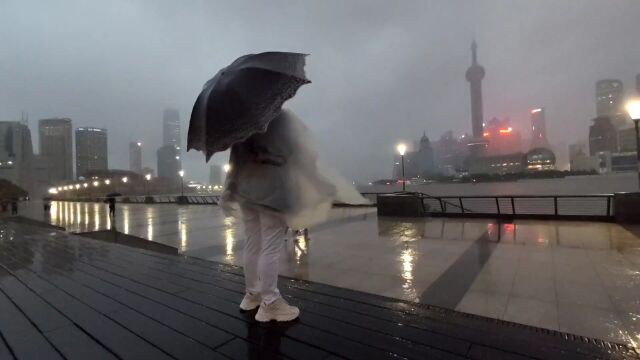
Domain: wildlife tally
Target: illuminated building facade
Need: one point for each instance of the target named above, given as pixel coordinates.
(16, 154)
(168, 162)
(56, 148)
(501, 138)
(610, 101)
(538, 129)
(603, 136)
(135, 157)
(171, 128)
(91, 150)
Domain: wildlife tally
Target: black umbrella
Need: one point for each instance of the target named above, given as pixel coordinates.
(114, 194)
(243, 98)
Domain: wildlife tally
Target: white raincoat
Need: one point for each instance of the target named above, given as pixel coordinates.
(278, 170)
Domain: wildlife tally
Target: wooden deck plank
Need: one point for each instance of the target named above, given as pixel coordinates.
(174, 343)
(5, 353)
(124, 343)
(73, 343)
(499, 341)
(21, 336)
(44, 316)
(133, 303)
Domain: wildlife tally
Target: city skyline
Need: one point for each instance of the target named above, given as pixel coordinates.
(419, 81)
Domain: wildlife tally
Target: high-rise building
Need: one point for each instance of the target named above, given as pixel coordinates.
(215, 175)
(56, 148)
(610, 101)
(449, 154)
(474, 76)
(91, 150)
(16, 154)
(603, 136)
(171, 128)
(501, 137)
(135, 157)
(627, 140)
(168, 162)
(538, 129)
(148, 171)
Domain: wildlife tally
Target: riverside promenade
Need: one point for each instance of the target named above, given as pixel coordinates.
(555, 277)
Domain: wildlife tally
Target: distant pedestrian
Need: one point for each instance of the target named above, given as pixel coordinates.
(112, 208)
(14, 208)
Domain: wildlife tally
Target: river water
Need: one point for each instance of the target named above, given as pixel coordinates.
(573, 185)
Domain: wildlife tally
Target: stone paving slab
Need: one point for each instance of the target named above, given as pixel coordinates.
(70, 297)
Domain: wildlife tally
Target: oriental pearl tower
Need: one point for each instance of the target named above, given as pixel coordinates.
(474, 75)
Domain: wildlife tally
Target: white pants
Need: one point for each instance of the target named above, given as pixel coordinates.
(265, 234)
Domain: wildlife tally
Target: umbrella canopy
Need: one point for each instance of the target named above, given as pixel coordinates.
(243, 98)
(114, 194)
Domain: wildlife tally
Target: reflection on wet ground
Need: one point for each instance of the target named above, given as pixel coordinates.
(578, 277)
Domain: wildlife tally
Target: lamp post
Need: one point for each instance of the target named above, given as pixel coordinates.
(633, 108)
(401, 150)
(146, 183)
(181, 173)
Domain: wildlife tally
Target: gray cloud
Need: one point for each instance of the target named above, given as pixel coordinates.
(382, 71)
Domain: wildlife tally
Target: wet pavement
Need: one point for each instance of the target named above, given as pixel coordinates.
(65, 296)
(576, 277)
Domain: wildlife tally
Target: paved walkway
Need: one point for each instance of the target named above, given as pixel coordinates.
(576, 277)
(66, 296)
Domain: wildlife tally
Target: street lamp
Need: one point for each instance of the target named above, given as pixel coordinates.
(226, 168)
(633, 108)
(125, 179)
(402, 148)
(148, 178)
(181, 173)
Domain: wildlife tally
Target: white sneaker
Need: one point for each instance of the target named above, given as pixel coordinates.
(250, 302)
(278, 310)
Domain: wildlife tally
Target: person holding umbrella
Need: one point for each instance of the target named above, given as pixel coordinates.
(111, 200)
(274, 181)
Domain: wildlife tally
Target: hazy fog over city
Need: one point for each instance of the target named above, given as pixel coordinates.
(381, 71)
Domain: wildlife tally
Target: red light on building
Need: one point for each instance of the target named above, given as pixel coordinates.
(505, 131)
(485, 134)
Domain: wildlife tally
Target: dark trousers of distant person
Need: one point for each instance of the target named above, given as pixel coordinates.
(112, 211)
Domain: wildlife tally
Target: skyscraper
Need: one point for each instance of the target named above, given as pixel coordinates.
(135, 157)
(501, 137)
(538, 129)
(91, 150)
(16, 154)
(168, 162)
(215, 175)
(56, 148)
(602, 136)
(474, 76)
(171, 128)
(610, 101)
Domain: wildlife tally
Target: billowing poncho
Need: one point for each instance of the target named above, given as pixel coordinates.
(278, 170)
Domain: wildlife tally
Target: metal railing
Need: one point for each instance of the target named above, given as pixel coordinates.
(588, 207)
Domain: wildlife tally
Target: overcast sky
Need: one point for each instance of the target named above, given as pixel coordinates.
(382, 71)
